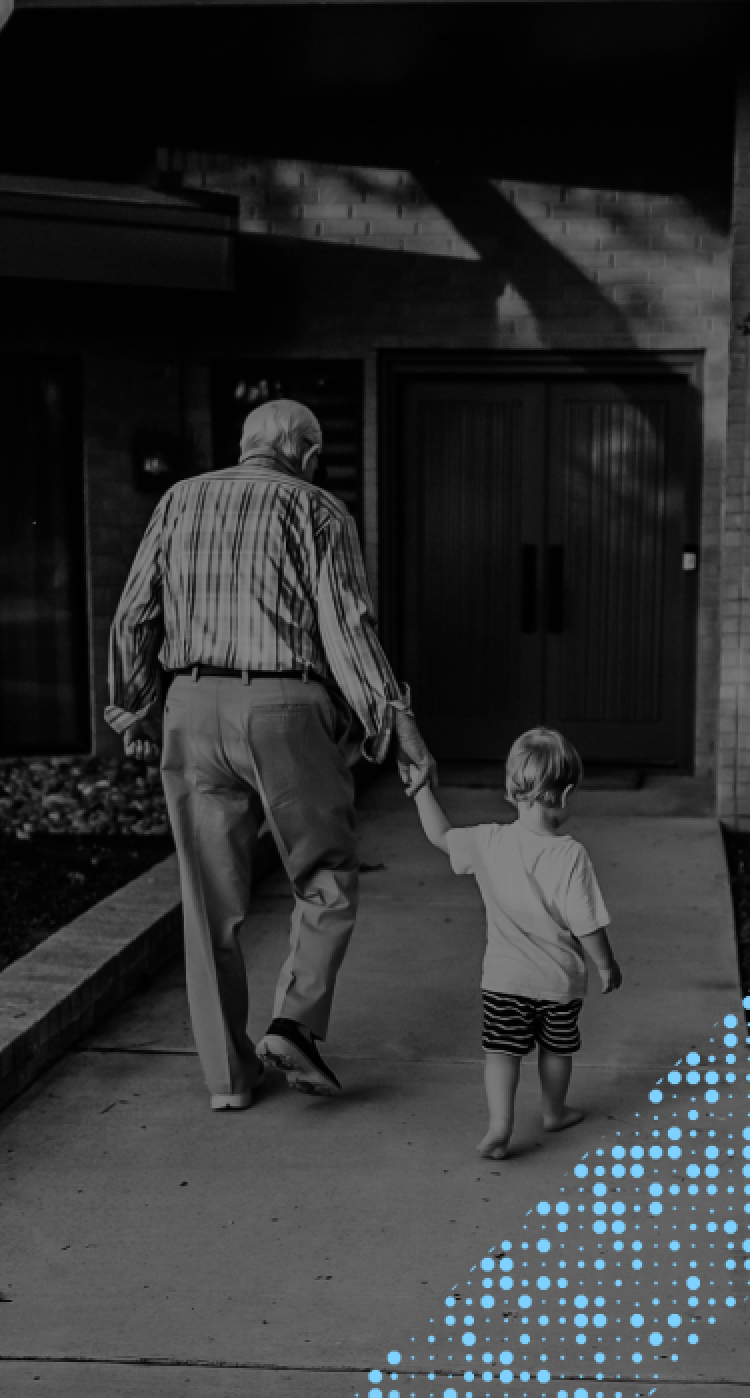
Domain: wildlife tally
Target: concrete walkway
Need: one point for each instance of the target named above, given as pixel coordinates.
(153, 1248)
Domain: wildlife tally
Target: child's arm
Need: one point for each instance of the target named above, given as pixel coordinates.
(433, 818)
(599, 948)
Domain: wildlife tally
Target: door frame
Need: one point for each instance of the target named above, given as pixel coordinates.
(398, 368)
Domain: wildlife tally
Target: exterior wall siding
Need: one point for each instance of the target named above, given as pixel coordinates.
(733, 767)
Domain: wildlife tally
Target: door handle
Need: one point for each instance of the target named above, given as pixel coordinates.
(555, 588)
(529, 620)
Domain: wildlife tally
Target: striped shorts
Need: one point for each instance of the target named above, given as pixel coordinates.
(515, 1024)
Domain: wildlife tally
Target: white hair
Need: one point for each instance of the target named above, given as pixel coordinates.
(283, 427)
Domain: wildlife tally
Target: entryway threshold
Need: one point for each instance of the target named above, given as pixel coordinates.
(615, 791)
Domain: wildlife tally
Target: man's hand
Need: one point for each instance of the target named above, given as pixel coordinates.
(143, 740)
(416, 766)
(611, 977)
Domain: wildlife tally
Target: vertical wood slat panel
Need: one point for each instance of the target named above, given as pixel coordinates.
(614, 540)
(594, 474)
(465, 474)
(468, 465)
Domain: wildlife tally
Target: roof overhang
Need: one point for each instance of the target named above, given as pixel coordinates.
(73, 231)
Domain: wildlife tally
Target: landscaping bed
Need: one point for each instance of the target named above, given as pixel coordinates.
(71, 832)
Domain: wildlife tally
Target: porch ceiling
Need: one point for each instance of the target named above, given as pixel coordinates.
(92, 91)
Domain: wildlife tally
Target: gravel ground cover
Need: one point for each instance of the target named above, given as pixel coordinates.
(72, 830)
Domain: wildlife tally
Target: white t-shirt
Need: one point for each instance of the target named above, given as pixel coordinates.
(541, 896)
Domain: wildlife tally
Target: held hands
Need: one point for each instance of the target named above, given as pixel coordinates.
(143, 740)
(611, 977)
(416, 766)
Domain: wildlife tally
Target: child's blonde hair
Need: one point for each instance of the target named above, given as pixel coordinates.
(541, 765)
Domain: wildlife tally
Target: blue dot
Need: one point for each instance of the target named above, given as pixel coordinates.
(394, 1357)
(375, 1375)
(730, 1227)
(468, 1339)
(375, 1394)
(542, 1282)
(562, 1207)
(488, 1265)
(542, 1376)
(693, 1338)
(655, 1096)
(524, 1300)
(636, 1319)
(486, 1355)
(581, 1170)
(543, 1246)
(543, 1208)
(637, 1356)
(488, 1301)
(674, 1319)
(730, 1301)
(693, 1058)
(506, 1376)
(730, 1020)
(655, 1338)
(450, 1394)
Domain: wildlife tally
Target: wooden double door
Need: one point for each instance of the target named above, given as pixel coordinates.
(547, 547)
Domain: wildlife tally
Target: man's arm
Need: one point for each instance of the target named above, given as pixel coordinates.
(135, 637)
(347, 629)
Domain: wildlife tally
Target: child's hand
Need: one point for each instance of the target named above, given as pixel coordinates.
(416, 780)
(611, 977)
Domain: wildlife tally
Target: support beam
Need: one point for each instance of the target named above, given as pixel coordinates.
(734, 694)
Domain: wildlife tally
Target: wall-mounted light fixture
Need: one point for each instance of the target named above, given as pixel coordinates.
(157, 459)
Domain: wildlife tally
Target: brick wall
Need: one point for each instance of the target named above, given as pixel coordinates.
(349, 260)
(365, 259)
(733, 768)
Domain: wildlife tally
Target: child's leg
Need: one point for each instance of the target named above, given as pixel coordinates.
(554, 1077)
(559, 1038)
(501, 1072)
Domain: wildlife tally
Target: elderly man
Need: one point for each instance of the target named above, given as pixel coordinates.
(249, 587)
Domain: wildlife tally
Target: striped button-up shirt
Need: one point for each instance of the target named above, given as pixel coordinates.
(252, 567)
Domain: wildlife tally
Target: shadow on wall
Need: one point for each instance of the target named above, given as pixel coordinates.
(407, 298)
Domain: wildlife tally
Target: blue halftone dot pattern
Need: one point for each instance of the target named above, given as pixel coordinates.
(622, 1226)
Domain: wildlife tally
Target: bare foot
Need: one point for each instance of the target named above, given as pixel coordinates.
(494, 1144)
(555, 1123)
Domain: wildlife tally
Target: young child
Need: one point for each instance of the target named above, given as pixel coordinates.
(543, 903)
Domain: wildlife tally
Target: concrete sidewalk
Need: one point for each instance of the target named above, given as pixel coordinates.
(153, 1248)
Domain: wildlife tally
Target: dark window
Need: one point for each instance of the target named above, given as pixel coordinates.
(332, 389)
(43, 659)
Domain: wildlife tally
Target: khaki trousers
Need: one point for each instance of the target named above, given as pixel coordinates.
(234, 753)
